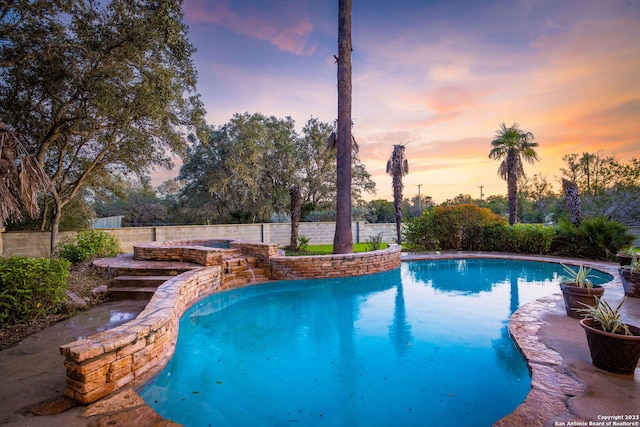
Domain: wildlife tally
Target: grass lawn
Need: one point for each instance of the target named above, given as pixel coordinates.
(328, 249)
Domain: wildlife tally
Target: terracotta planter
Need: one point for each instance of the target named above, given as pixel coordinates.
(624, 258)
(574, 295)
(613, 352)
(630, 282)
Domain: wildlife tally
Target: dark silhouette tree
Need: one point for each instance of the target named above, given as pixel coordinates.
(397, 167)
(512, 145)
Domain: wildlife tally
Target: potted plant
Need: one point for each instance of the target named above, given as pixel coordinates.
(625, 255)
(614, 345)
(630, 277)
(578, 290)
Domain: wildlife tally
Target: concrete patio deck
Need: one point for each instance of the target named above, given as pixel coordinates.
(566, 388)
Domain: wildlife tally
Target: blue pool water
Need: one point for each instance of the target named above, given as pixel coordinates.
(425, 344)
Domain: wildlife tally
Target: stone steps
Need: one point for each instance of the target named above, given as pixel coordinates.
(131, 293)
(138, 279)
(135, 287)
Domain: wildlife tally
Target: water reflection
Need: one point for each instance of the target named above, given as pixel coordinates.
(428, 341)
(400, 328)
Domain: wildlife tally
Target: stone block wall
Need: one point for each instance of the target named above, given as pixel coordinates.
(345, 265)
(36, 244)
(131, 354)
(130, 236)
(29, 243)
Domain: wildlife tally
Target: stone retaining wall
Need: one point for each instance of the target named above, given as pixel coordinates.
(346, 265)
(134, 352)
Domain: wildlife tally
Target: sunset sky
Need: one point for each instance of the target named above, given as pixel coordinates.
(440, 76)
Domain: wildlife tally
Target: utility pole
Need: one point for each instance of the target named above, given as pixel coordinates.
(419, 199)
(481, 194)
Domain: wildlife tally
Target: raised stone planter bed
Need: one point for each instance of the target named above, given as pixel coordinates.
(344, 265)
(133, 353)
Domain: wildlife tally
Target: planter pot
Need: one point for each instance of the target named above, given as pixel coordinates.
(613, 352)
(574, 295)
(624, 258)
(630, 282)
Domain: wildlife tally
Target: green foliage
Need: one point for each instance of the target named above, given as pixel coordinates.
(528, 238)
(89, 244)
(374, 242)
(633, 267)
(607, 186)
(31, 287)
(606, 317)
(97, 89)
(245, 168)
(302, 243)
(469, 227)
(579, 277)
(597, 238)
(458, 227)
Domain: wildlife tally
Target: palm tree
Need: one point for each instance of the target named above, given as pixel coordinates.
(512, 145)
(397, 167)
(572, 201)
(343, 240)
(21, 178)
(296, 209)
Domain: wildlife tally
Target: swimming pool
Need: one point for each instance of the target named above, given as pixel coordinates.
(426, 344)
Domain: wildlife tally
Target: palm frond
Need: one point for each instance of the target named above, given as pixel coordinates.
(19, 186)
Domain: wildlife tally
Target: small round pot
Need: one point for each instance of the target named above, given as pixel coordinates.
(574, 295)
(630, 282)
(613, 352)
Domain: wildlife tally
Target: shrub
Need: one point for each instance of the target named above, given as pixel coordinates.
(419, 232)
(31, 287)
(458, 227)
(529, 238)
(89, 244)
(596, 238)
(374, 242)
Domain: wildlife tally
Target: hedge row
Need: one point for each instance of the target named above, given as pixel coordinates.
(472, 228)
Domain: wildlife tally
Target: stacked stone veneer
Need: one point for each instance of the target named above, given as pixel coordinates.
(195, 251)
(358, 264)
(183, 250)
(131, 354)
(134, 352)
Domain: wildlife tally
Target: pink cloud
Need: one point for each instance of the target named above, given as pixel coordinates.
(288, 32)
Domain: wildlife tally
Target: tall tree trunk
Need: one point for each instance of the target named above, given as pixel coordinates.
(56, 214)
(572, 201)
(343, 240)
(296, 208)
(397, 202)
(512, 189)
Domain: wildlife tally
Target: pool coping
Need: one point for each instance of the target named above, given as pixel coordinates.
(552, 384)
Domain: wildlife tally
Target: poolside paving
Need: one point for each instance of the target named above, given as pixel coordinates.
(566, 388)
